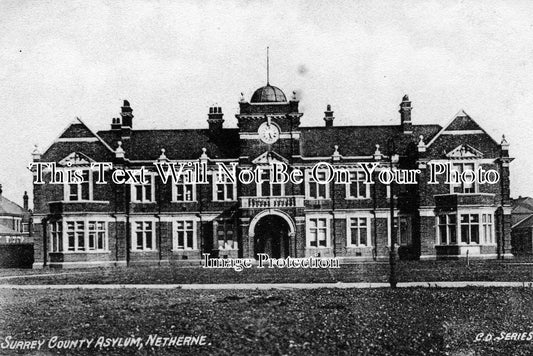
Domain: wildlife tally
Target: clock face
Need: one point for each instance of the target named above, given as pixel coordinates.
(268, 133)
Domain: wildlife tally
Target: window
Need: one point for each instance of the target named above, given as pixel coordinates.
(75, 234)
(56, 237)
(143, 193)
(464, 187)
(486, 220)
(143, 236)
(184, 238)
(317, 190)
(268, 189)
(447, 227)
(80, 191)
(357, 189)
(96, 232)
(470, 228)
(403, 233)
(223, 191)
(318, 232)
(358, 233)
(86, 236)
(184, 191)
(25, 227)
(225, 234)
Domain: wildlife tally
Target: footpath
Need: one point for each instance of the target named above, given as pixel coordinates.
(262, 286)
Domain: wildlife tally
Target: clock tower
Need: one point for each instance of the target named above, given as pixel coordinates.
(269, 122)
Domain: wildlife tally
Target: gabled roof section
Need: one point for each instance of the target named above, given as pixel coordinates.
(267, 157)
(76, 159)
(460, 123)
(464, 151)
(78, 131)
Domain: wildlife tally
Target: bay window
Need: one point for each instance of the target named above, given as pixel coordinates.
(465, 229)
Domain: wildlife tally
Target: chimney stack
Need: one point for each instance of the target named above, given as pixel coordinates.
(125, 121)
(215, 120)
(405, 114)
(25, 200)
(328, 116)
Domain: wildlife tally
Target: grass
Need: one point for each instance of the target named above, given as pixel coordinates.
(407, 271)
(414, 321)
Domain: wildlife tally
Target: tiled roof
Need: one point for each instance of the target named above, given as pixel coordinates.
(178, 144)
(4, 230)
(7, 207)
(527, 222)
(359, 140)
(314, 141)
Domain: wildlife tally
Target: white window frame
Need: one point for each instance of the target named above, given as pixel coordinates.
(327, 227)
(481, 233)
(460, 184)
(488, 226)
(227, 224)
(368, 220)
(56, 236)
(85, 233)
(360, 175)
(175, 236)
(447, 226)
(184, 185)
(259, 186)
(310, 181)
(225, 187)
(144, 199)
(79, 187)
(134, 232)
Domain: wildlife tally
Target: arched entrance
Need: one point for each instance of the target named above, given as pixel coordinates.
(272, 237)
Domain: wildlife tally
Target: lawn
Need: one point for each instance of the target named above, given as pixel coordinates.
(407, 271)
(407, 321)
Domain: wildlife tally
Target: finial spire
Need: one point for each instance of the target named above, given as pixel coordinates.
(268, 69)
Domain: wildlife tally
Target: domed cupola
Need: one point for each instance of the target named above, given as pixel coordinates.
(268, 94)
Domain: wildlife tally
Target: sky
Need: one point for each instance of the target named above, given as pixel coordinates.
(174, 59)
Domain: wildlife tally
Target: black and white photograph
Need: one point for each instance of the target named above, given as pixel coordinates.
(266, 177)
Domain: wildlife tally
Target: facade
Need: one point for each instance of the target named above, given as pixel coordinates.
(90, 224)
(16, 243)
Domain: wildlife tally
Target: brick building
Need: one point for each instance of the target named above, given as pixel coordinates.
(123, 224)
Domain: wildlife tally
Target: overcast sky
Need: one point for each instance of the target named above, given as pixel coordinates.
(172, 60)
